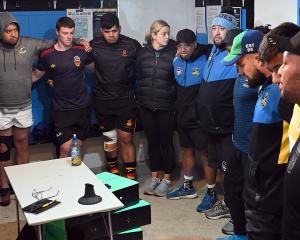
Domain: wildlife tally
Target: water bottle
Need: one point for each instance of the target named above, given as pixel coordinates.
(75, 151)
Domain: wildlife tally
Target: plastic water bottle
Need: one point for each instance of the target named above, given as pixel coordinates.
(75, 151)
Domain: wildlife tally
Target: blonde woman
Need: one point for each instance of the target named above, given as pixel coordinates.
(155, 96)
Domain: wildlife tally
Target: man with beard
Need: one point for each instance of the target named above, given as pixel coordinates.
(17, 56)
(215, 107)
(244, 99)
(289, 74)
(269, 148)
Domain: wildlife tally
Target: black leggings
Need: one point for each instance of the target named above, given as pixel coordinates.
(159, 127)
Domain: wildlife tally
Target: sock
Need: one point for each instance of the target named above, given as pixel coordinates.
(112, 164)
(188, 182)
(211, 189)
(130, 170)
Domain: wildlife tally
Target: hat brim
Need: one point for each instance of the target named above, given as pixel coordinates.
(230, 59)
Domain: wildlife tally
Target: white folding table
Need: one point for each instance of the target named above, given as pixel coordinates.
(69, 180)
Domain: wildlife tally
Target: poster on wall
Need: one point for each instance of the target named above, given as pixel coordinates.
(211, 13)
(83, 22)
(87, 21)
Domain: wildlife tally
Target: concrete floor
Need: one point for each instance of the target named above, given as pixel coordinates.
(178, 219)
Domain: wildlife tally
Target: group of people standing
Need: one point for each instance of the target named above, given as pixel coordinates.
(219, 98)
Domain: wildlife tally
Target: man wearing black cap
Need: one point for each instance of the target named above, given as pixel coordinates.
(269, 147)
(188, 72)
(289, 74)
(114, 56)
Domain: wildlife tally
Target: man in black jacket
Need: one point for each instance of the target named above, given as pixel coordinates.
(114, 56)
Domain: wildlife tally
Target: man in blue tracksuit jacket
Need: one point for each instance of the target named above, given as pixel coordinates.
(216, 112)
(188, 72)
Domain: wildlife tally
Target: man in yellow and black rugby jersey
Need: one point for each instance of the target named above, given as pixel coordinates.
(289, 74)
(269, 147)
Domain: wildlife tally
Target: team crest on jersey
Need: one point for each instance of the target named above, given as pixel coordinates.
(77, 61)
(22, 51)
(178, 71)
(52, 65)
(195, 72)
(264, 99)
(129, 123)
(124, 53)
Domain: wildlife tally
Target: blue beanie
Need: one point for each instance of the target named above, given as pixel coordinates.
(225, 20)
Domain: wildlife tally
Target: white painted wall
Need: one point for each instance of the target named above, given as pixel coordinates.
(275, 12)
(136, 16)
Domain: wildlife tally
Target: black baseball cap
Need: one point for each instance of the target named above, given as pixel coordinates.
(185, 36)
(291, 45)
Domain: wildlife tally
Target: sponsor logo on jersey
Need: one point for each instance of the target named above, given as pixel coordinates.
(77, 61)
(264, 99)
(124, 53)
(178, 71)
(195, 72)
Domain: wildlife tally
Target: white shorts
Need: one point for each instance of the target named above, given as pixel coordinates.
(18, 118)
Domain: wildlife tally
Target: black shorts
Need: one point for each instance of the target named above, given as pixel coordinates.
(120, 114)
(68, 122)
(192, 138)
(220, 150)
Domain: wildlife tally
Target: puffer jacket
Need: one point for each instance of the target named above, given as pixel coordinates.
(155, 87)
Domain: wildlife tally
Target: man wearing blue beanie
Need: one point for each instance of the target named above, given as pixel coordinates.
(215, 108)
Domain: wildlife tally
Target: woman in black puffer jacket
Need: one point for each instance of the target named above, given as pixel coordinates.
(155, 96)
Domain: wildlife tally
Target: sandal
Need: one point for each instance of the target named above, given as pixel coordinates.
(5, 197)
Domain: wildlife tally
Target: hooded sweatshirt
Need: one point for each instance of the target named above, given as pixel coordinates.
(16, 67)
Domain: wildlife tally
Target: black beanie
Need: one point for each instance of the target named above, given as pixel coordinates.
(185, 36)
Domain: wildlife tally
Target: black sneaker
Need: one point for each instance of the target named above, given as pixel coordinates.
(219, 210)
